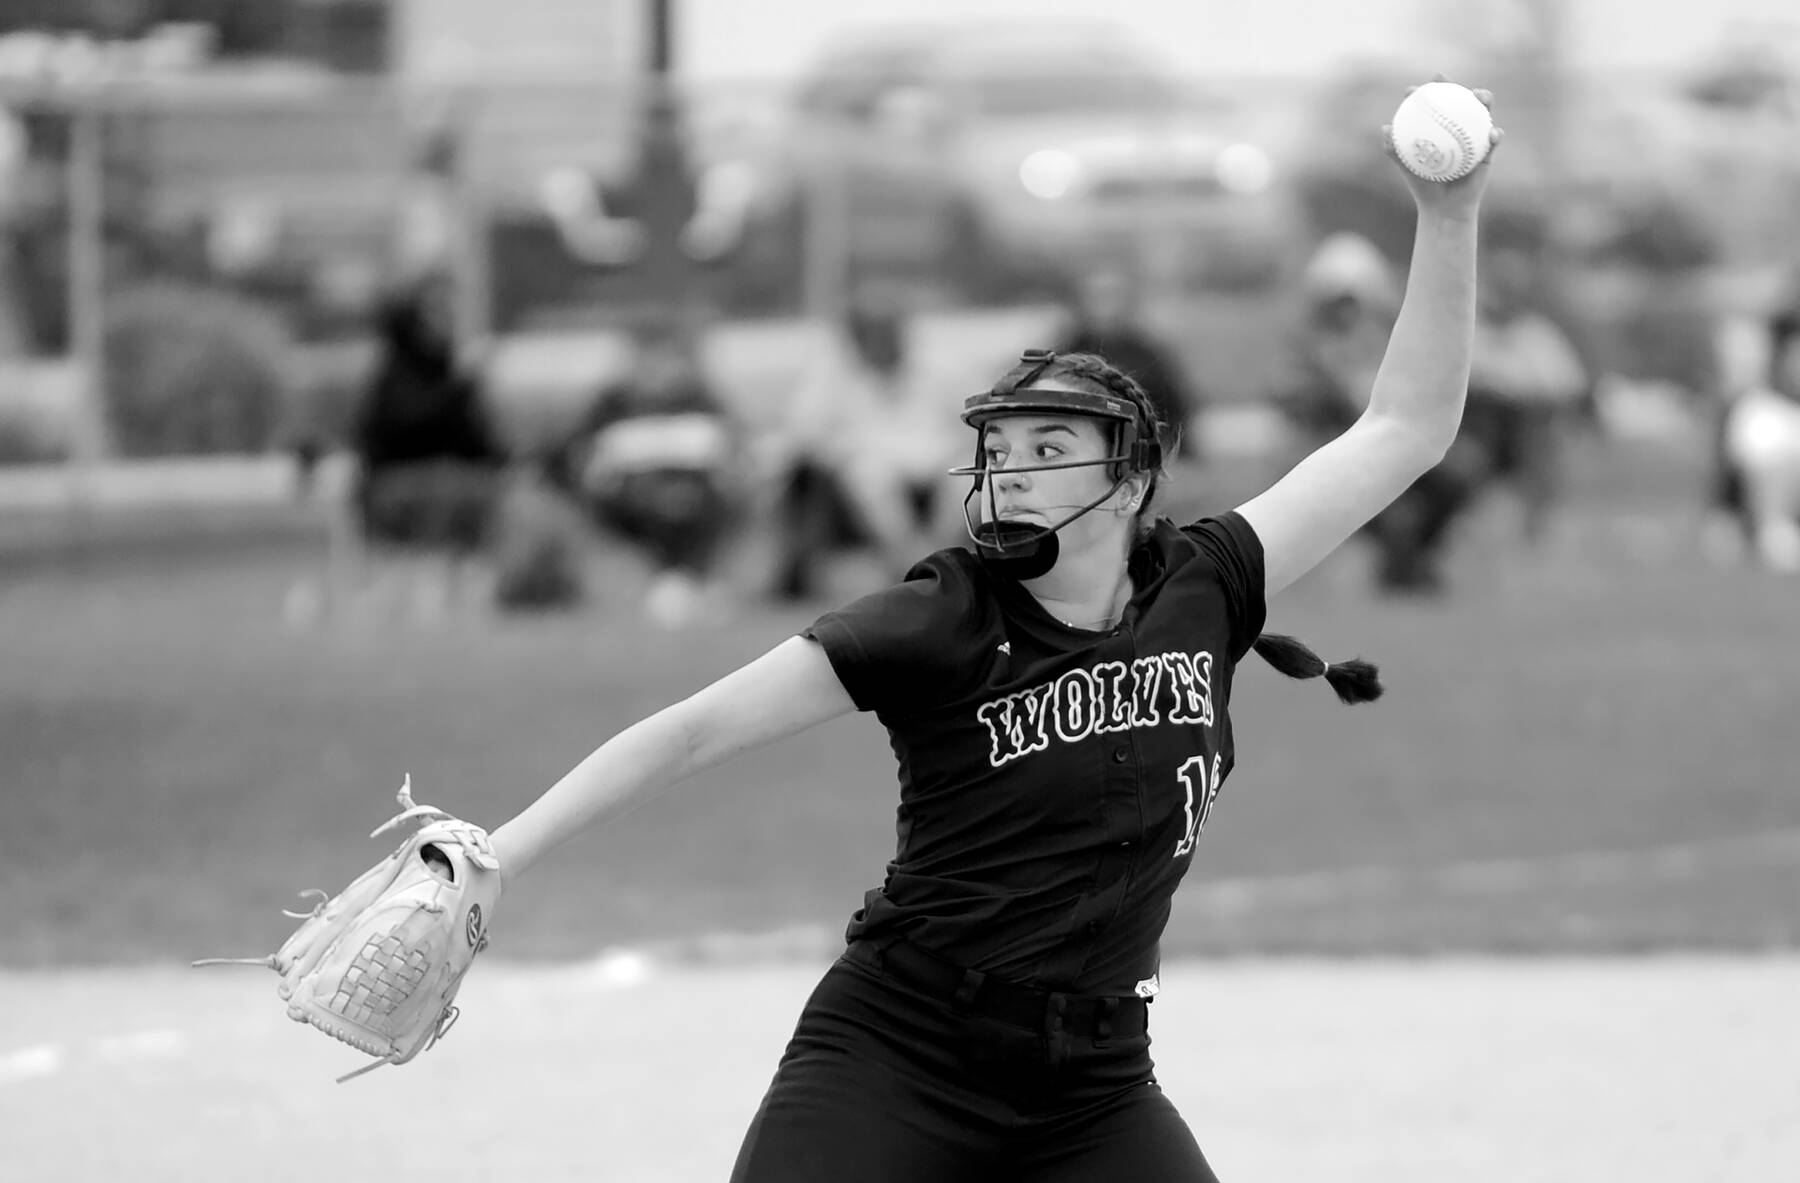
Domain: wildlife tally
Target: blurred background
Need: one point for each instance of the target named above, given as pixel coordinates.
(242, 184)
(437, 386)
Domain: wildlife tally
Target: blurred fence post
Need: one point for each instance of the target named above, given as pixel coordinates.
(824, 240)
(471, 262)
(86, 293)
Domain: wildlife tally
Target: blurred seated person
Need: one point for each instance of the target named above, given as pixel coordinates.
(865, 450)
(429, 464)
(1349, 296)
(653, 459)
(1527, 383)
(1106, 319)
(1761, 450)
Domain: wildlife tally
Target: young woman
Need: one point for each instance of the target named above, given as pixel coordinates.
(1057, 700)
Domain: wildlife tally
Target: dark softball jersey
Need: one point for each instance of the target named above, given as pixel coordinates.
(1053, 780)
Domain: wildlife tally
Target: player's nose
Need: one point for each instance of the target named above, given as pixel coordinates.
(1005, 478)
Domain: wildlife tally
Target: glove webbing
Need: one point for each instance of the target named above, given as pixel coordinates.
(384, 975)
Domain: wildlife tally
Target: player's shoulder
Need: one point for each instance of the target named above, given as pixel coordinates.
(907, 645)
(953, 575)
(1228, 532)
(956, 562)
(1224, 554)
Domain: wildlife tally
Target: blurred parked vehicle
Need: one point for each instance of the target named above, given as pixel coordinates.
(1015, 148)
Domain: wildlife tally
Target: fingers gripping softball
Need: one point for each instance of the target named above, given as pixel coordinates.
(378, 965)
(1442, 131)
(1443, 136)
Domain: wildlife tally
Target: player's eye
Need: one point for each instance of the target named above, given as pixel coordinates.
(1048, 451)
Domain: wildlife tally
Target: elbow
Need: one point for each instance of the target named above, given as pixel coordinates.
(1433, 449)
(1416, 446)
(690, 740)
(660, 750)
(1430, 410)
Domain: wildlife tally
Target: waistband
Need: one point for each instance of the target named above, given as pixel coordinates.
(1100, 1016)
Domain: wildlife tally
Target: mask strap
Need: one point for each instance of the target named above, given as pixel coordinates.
(1030, 364)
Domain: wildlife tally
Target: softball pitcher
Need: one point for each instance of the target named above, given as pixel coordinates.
(1057, 698)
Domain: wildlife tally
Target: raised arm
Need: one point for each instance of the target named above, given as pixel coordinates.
(785, 691)
(1415, 404)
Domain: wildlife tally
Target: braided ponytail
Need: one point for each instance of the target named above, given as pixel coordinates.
(1354, 681)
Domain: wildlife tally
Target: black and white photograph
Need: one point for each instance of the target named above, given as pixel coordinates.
(846, 591)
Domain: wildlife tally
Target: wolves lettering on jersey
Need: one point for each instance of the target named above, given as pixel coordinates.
(1173, 686)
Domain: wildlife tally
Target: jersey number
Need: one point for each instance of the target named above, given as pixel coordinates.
(1201, 791)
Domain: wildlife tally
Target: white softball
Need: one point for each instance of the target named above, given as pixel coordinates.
(1441, 131)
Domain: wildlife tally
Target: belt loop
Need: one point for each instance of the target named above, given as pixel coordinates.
(1059, 1005)
(968, 988)
(1103, 1026)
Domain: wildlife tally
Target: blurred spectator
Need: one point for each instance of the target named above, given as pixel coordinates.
(1760, 449)
(865, 452)
(653, 460)
(429, 463)
(1349, 297)
(1106, 318)
(1527, 385)
(1350, 294)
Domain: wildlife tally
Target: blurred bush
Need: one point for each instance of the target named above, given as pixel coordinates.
(36, 403)
(27, 441)
(191, 370)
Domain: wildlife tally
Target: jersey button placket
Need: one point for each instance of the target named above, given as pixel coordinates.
(1122, 755)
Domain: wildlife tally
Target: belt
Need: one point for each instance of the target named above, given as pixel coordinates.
(973, 992)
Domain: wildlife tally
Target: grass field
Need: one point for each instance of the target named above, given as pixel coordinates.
(1587, 747)
(1587, 750)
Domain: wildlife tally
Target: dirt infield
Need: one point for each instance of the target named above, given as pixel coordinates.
(1662, 1069)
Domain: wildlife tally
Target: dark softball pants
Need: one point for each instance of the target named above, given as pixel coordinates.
(905, 1070)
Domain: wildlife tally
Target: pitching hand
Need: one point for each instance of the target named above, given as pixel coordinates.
(1458, 198)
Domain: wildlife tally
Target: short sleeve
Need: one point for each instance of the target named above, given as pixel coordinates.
(1236, 553)
(904, 648)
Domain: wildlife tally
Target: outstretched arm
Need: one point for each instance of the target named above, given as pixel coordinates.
(785, 691)
(1415, 404)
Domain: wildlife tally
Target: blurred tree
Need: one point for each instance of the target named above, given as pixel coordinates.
(1749, 78)
(343, 34)
(193, 371)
